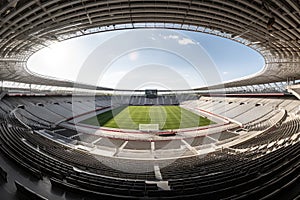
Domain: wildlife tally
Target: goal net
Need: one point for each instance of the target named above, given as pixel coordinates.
(149, 127)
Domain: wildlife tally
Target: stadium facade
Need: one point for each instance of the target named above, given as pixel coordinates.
(252, 150)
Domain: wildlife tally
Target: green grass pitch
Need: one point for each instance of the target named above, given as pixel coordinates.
(129, 117)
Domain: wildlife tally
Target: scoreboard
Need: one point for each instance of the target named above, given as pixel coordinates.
(151, 93)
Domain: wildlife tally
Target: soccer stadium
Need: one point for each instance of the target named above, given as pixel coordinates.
(98, 136)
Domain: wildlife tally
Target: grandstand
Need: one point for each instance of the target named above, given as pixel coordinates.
(251, 151)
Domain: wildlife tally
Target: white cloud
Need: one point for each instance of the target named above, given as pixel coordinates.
(175, 37)
(185, 41)
(181, 41)
(225, 73)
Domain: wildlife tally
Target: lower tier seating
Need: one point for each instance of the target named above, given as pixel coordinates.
(226, 174)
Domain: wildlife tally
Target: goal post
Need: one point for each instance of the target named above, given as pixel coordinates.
(149, 127)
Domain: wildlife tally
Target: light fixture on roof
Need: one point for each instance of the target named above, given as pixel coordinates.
(89, 18)
(239, 35)
(13, 3)
(257, 42)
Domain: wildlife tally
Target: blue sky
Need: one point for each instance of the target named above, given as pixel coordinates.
(146, 67)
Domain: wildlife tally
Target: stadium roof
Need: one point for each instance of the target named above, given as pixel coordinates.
(271, 27)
